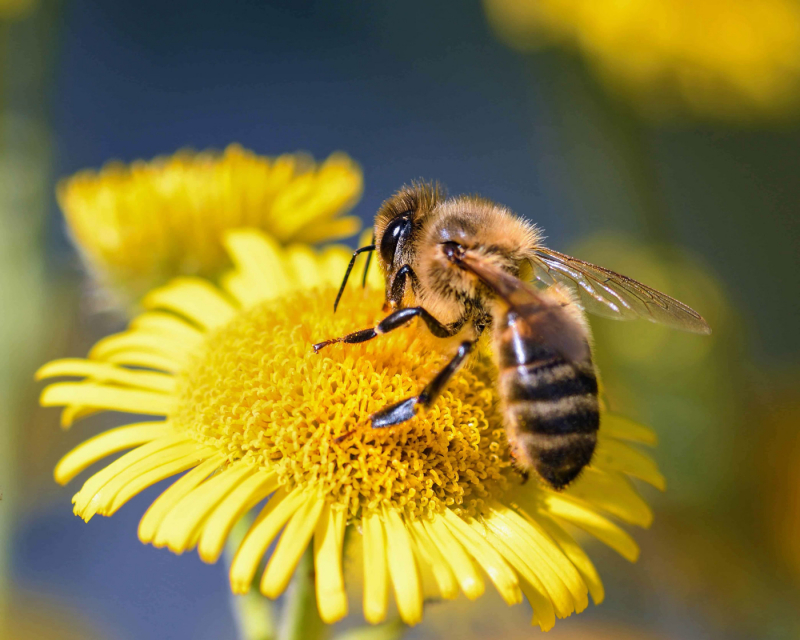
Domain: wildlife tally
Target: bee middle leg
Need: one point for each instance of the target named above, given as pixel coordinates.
(407, 409)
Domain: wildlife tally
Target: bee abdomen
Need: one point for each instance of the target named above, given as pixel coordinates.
(553, 411)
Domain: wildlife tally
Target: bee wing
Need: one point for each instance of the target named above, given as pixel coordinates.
(606, 293)
(542, 316)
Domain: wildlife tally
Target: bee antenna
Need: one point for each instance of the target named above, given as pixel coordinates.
(370, 247)
(366, 266)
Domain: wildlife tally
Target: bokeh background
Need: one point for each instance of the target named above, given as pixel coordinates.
(658, 138)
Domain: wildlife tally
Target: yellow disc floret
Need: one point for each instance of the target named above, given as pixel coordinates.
(258, 391)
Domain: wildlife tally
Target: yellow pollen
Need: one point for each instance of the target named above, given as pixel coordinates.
(257, 392)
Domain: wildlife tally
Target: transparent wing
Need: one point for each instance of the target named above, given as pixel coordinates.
(606, 293)
(540, 316)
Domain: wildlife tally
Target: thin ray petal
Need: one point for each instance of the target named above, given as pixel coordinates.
(220, 522)
(101, 501)
(522, 534)
(614, 455)
(490, 560)
(611, 492)
(154, 516)
(186, 517)
(328, 542)
(625, 429)
(575, 553)
(105, 475)
(106, 397)
(432, 557)
(402, 568)
(136, 341)
(469, 579)
(593, 523)
(105, 372)
(193, 298)
(376, 571)
(290, 548)
(275, 514)
(162, 323)
(106, 443)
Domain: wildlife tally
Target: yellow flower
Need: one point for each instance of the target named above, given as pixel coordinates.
(729, 59)
(252, 414)
(137, 226)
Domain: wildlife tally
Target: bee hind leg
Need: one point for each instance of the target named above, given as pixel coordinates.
(406, 409)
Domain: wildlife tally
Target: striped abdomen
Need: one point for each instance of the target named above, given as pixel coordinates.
(551, 407)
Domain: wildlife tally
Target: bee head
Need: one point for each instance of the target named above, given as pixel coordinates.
(397, 229)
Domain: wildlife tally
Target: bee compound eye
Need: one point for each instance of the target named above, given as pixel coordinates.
(396, 230)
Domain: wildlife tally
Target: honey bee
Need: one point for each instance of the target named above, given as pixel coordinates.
(466, 265)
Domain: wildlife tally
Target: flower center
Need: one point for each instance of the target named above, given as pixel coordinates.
(258, 392)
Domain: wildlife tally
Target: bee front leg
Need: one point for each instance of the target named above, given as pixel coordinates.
(407, 409)
(393, 321)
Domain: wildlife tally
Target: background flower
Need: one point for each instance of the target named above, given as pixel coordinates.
(729, 59)
(139, 225)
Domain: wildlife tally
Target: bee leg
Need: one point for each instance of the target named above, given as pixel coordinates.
(393, 321)
(407, 409)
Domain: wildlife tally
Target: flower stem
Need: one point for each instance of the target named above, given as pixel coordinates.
(252, 612)
(301, 619)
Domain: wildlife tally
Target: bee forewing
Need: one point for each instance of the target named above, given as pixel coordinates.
(606, 293)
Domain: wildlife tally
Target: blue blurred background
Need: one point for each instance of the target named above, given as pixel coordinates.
(703, 207)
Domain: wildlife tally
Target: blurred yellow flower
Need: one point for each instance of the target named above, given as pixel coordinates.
(139, 225)
(730, 59)
(252, 414)
(16, 9)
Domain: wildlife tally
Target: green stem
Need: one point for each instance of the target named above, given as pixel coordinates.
(393, 630)
(301, 619)
(252, 612)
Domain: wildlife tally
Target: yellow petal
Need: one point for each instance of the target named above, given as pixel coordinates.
(74, 412)
(592, 522)
(101, 396)
(625, 429)
(402, 568)
(532, 568)
(469, 579)
(543, 614)
(487, 556)
(105, 475)
(149, 478)
(105, 372)
(431, 556)
(575, 553)
(184, 520)
(162, 505)
(103, 498)
(174, 350)
(618, 456)
(106, 443)
(136, 358)
(292, 544)
(194, 298)
(525, 535)
(612, 492)
(260, 261)
(243, 498)
(328, 541)
(331, 229)
(376, 574)
(161, 323)
(303, 262)
(273, 516)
